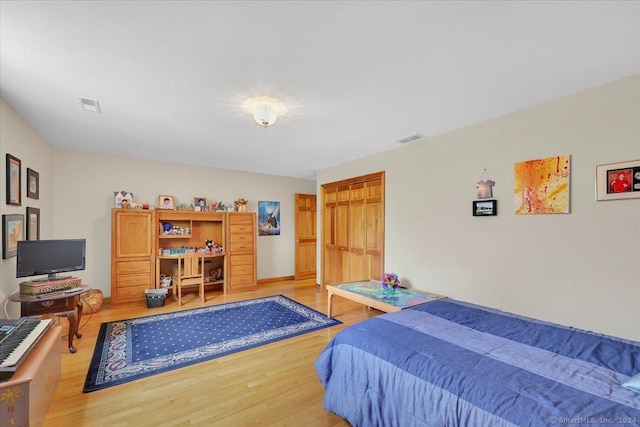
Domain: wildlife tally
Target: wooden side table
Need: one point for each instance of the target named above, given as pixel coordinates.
(57, 303)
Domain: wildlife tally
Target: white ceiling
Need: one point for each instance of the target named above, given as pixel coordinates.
(356, 76)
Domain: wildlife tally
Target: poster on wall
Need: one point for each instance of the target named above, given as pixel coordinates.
(268, 218)
(542, 186)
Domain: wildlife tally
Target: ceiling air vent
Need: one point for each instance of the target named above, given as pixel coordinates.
(90, 105)
(411, 138)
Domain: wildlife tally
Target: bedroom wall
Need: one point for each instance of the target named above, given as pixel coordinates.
(76, 197)
(580, 269)
(83, 198)
(20, 140)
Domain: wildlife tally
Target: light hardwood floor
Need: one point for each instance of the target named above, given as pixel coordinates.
(272, 385)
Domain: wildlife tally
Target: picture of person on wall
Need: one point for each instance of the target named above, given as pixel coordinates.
(619, 181)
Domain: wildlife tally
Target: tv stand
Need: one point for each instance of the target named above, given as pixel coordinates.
(67, 305)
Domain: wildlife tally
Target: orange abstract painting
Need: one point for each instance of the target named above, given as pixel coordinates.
(542, 186)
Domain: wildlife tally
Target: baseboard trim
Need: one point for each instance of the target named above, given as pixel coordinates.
(275, 279)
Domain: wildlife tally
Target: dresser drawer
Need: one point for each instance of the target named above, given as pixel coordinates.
(241, 270)
(241, 237)
(241, 246)
(124, 280)
(242, 283)
(133, 267)
(241, 219)
(240, 259)
(131, 293)
(241, 228)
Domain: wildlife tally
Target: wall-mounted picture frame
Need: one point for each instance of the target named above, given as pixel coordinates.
(33, 224)
(542, 186)
(485, 208)
(12, 226)
(166, 202)
(268, 218)
(14, 180)
(200, 204)
(33, 184)
(618, 181)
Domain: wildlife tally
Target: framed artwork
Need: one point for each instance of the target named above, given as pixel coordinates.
(200, 204)
(617, 181)
(12, 226)
(268, 218)
(542, 186)
(33, 184)
(166, 202)
(485, 208)
(14, 180)
(33, 224)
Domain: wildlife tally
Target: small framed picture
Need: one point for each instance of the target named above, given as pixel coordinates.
(200, 204)
(14, 180)
(33, 184)
(12, 226)
(166, 202)
(485, 208)
(33, 224)
(616, 181)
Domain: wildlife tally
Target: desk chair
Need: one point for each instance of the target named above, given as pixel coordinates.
(190, 273)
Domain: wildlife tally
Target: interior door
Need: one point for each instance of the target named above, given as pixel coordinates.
(305, 248)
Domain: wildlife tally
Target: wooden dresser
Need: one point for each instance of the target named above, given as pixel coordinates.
(132, 254)
(242, 251)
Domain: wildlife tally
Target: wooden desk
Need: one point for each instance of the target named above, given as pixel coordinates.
(369, 293)
(57, 303)
(173, 260)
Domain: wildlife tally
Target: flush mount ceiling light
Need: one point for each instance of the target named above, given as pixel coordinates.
(265, 110)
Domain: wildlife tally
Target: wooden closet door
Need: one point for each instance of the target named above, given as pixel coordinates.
(342, 234)
(374, 228)
(353, 229)
(357, 233)
(329, 245)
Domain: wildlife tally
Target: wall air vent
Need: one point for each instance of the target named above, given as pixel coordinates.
(411, 138)
(90, 105)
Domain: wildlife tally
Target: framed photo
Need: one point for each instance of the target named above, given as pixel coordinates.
(166, 202)
(200, 204)
(12, 226)
(33, 224)
(616, 181)
(485, 208)
(14, 180)
(268, 218)
(33, 184)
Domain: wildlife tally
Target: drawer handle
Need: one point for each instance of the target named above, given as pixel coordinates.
(47, 303)
(133, 280)
(134, 268)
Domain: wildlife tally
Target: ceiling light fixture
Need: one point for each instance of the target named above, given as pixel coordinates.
(265, 110)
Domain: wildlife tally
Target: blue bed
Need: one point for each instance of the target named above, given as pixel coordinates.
(450, 363)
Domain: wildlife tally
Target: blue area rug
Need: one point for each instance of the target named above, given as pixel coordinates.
(128, 350)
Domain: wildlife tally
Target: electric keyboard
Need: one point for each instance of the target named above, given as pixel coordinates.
(17, 339)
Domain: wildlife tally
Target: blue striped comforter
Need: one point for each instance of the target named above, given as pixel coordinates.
(449, 363)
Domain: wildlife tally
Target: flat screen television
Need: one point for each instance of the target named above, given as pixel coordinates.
(50, 257)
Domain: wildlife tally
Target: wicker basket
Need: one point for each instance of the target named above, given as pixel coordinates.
(91, 301)
(155, 297)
